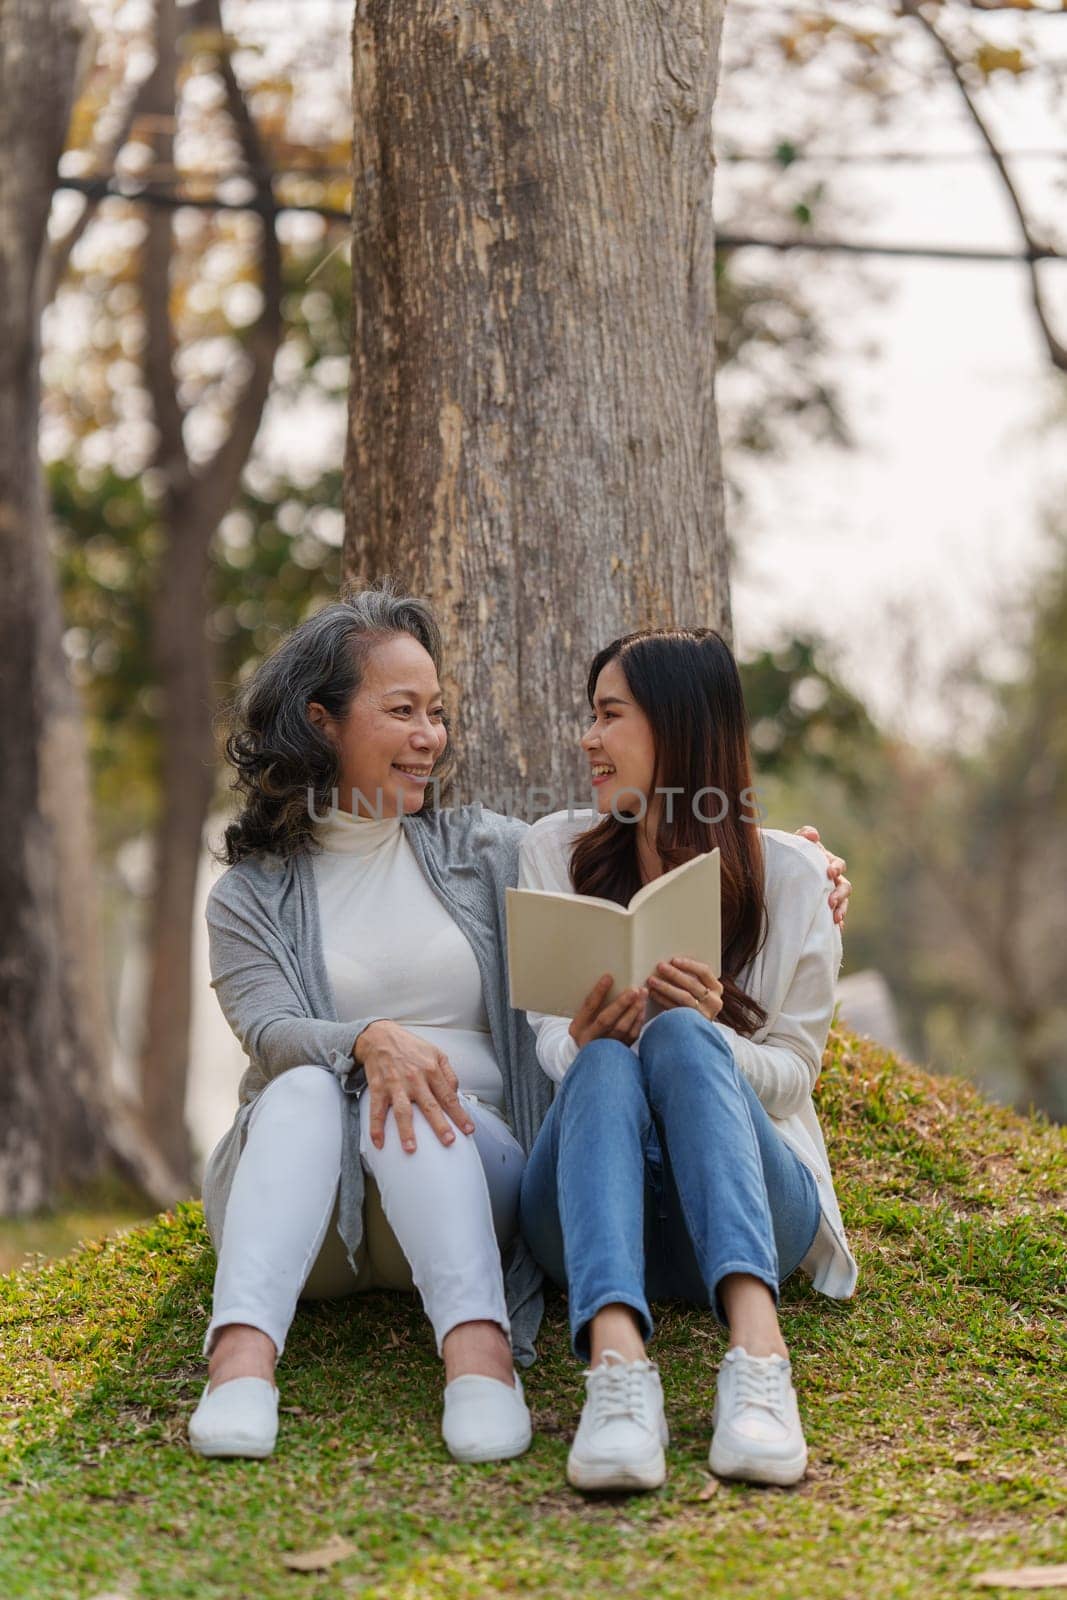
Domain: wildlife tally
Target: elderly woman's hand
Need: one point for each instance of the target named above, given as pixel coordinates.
(404, 1071)
(835, 869)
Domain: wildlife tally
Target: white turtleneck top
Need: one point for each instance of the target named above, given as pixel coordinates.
(392, 950)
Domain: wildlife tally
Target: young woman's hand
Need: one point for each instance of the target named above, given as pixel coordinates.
(620, 1020)
(404, 1071)
(681, 981)
(836, 870)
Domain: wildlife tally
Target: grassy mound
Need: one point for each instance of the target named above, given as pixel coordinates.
(933, 1404)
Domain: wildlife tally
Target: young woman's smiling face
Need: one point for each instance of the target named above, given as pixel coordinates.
(619, 745)
(394, 732)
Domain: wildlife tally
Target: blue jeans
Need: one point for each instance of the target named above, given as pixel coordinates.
(657, 1172)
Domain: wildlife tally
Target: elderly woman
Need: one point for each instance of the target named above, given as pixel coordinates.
(357, 951)
(392, 1096)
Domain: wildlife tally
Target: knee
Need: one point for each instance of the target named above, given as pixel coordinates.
(304, 1094)
(603, 1063)
(671, 1029)
(429, 1152)
(683, 1037)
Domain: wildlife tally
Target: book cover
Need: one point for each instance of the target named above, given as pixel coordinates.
(560, 944)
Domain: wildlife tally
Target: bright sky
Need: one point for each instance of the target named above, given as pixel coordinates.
(938, 513)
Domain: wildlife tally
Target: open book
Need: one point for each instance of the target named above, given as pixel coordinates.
(560, 944)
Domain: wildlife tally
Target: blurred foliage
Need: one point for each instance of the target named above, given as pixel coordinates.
(271, 568)
(76, 1215)
(775, 349)
(800, 712)
(995, 847)
(953, 852)
(276, 557)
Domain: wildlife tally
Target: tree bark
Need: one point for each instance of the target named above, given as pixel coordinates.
(53, 1122)
(532, 429)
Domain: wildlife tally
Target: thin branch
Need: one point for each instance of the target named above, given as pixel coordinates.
(104, 188)
(1034, 250)
(797, 156)
(138, 193)
(862, 158)
(1024, 7)
(772, 8)
(737, 241)
(158, 101)
(217, 483)
(62, 249)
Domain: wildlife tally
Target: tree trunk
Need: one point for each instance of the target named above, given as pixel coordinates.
(193, 504)
(185, 671)
(532, 433)
(52, 1078)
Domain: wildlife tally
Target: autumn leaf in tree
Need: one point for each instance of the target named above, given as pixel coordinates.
(990, 58)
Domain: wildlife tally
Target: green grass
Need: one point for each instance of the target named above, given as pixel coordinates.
(934, 1406)
(93, 1212)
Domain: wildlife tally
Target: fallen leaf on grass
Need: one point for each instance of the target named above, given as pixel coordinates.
(334, 1550)
(964, 1458)
(1024, 1578)
(710, 1489)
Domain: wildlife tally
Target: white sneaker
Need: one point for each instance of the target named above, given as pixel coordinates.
(757, 1423)
(239, 1418)
(485, 1419)
(623, 1431)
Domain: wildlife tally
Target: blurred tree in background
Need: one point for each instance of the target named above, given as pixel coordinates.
(274, 556)
(957, 851)
(800, 713)
(54, 1120)
(990, 835)
(159, 393)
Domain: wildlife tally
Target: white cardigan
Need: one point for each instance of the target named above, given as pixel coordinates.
(792, 977)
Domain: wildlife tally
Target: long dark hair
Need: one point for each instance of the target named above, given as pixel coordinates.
(278, 753)
(686, 682)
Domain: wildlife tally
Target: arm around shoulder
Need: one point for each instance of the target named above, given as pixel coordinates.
(783, 1058)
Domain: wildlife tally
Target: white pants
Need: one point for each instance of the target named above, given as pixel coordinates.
(434, 1219)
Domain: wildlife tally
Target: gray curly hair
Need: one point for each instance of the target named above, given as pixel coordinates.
(278, 753)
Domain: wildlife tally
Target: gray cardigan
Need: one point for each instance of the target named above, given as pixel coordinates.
(268, 972)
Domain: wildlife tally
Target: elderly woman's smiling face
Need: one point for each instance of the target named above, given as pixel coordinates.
(394, 731)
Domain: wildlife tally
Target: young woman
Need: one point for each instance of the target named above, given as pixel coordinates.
(682, 1156)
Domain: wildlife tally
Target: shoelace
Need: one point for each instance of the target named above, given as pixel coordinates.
(764, 1384)
(617, 1391)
